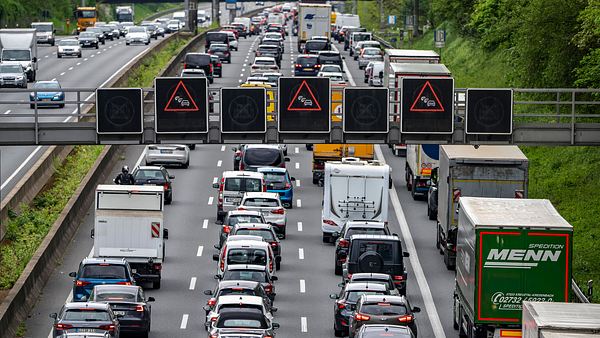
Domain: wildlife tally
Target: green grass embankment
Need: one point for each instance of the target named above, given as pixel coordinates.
(568, 176)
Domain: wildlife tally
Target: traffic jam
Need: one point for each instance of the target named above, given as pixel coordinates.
(256, 199)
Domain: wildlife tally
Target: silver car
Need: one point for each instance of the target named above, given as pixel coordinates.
(269, 205)
(173, 154)
(68, 47)
(12, 76)
(369, 54)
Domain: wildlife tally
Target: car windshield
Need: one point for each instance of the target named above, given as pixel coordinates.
(148, 175)
(218, 48)
(174, 22)
(15, 55)
(264, 233)
(11, 69)
(384, 249)
(86, 315)
(104, 271)
(68, 43)
(115, 297)
(275, 177)
(332, 69)
(87, 35)
(137, 30)
(261, 202)
(306, 61)
(247, 256)
(263, 157)
(243, 323)
(233, 220)
(243, 184)
(384, 309)
(352, 296)
(42, 27)
(197, 59)
(86, 14)
(249, 275)
(371, 231)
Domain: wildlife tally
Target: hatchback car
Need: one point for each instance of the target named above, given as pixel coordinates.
(315, 46)
(137, 34)
(279, 181)
(266, 232)
(49, 93)
(168, 154)
(97, 271)
(242, 251)
(264, 64)
(269, 206)
(234, 217)
(236, 287)
(306, 65)
(377, 309)
(228, 302)
(88, 39)
(369, 54)
(254, 156)
(99, 33)
(199, 61)
(252, 321)
(269, 50)
(221, 50)
(330, 58)
(256, 273)
(85, 318)
(68, 47)
(371, 277)
(217, 66)
(144, 175)
(382, 330)
(349, 229)
(13, 76)
(330, 69)
(364, 44)
(127, 302)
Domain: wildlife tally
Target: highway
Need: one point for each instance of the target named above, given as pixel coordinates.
(306, 277)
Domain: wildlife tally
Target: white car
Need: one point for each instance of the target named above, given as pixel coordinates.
(137, 34)
(68, 47)
(173, 26)
(191, 72)
(330, 69)
(334, 78)
(269, 205)
(369, 54)
(264, 64)
(231, 301)
(364, 44)
(177, 154)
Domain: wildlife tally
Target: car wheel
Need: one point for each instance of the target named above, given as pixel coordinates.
(156, 285)
(338, 333)
(430, 214)
(186, 165)
(338, 269)
(126, 43)
(326, 238)
(62, 105)
(278, 265)
(103, 42)
(147, 43)
(79, 56)
(59, 56)
(97, 46)
(169, 200)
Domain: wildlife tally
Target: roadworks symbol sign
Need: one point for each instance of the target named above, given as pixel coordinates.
(304, 99)
(427, 101)
(181, 100)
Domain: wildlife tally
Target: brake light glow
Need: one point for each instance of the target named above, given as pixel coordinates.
(279, 211)
(157, 266)
(288, 185)
(398, 277)
(226, 229)
(211, 302)
(344, 243)
(81, 283)
(298, 65)
(269, 288)
(405, 319)
(360, 317)
(124, 283)
(166, 186)
(139, 308)
(60, 326)
(329, 222)
(108, 327)
(341, 304)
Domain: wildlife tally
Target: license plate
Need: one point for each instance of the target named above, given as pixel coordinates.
(165, 151)
(122, 313)
(232, 199)
(308, 69)
(86, 330)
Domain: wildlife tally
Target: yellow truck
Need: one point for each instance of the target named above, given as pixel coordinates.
(86, 17)
(334, 152)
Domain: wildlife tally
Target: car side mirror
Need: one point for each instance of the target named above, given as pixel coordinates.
(215, 185)
(335, 234)
(119, 315)
(273, 309)
(287, 159)
(34, 59)
(92, 233)
(219, 222)
(234, 148)
(136, 275)
(151, 299)
(274, 278)
(53, 315)
(293, 179)
(208, 292)
(334, 296)
(217, 246)
(276, 326)
(166, 233)
(405, 254)
(416, 309)
(73, 274)
(206, 308)
(216, 257)
(172, 177)
(341, 284)
(217, 277)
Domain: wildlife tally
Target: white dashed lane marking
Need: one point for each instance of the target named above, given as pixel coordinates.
(302, 286)
(215, 180)
(297, 165)
(210, 200)
(303, 324)
(184, 321)
(219, 163)
(299, 226)
(223, 148)
(205, 224)
(199, 252)
(297, 183)
(300, 253)
(299, 203)
(193, 283)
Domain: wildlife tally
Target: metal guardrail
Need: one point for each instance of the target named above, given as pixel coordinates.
(580, 296)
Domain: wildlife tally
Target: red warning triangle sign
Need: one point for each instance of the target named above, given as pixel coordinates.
(427, 101)
(304, 99)
(181, 100)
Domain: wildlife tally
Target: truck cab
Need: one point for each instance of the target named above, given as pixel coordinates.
(44, 32)
(86, 17)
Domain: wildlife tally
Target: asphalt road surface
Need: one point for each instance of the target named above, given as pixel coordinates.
(306, 277)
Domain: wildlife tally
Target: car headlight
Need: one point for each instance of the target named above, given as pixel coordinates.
(19, 78)
(57, 96)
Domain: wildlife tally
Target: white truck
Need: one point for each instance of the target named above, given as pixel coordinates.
(560, 320)
(313, 20)
(19, 46)
(128, 223)
(124, 13)
(420, 161)
(180, 15)
(354, 190)
(45, 32)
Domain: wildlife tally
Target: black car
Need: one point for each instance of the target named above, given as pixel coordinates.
(152, 29)
(128, 302)
(315, 46)
(88, 39)
(199, 61)
(330, 58)
(221, 50)
(379, 330)
(236, 287)
(377, 309)
(144, 175)
(215, 37)
(256, 273)
(377, 253)
(85, 317)
(262, 155)
(99, 34)
(306, 65)
(108, 32)
(252, 321)
(217, 65)
(372, 277)
(265, 231)
(346, 303)
(348, 230)
(237, 216)
(432, 196)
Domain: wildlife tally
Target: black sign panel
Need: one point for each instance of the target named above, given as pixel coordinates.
(366, 110)
(119, 111)
(427, 105)
(489, 111)
(304, 105)
(181, 105)
(243, 110)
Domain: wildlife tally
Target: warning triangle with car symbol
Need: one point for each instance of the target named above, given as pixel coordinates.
(427, 101)
(304, 99)
(181, 100)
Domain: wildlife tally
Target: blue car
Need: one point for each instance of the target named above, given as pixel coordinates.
(52, 94)
(307, 65)
(278, 180)
(99, 271)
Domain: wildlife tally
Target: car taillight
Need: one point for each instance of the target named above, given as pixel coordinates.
(222, 264)
(279, 211)
(344, 243)
(226, 229)
(455, 195)
(288, 185)
(398, 277)
(124, 283)
(271, 265)
(405, 319)
(107, 327)
(298, 65)
(360, 317)
(60, 326)
(211, 302)
(242, 208)
(139, 308)
(81, 283)
(317, 66)
(269, 288)
(341, 304)
(158, 266)
(273, 243)
(166, 186)
(219, 64)
(210, 68)
(185, 66)
(330, 222)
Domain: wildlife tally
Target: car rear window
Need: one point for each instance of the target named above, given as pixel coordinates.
(352, 296)
(197, 59)
(86, 315)
(250, 275)
(100, 271)
(243, 323)
(307, 61)
(247, 256)
(218, 48)
(315, 45)
(149, 175)
(274, 177)
(263, 157)
(371, 52)
(261, 202)
(370, 231)
(243, 184)
(115, 297)
(233, 220)
(236, 291)
(385, 249)
(264, 233)
(384, 309)
(264, 62)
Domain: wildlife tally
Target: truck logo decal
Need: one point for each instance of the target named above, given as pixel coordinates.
(520, 258)
(309, 16)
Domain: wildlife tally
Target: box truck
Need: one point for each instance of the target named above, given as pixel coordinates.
(564, 320)
(335, 152)
(313, 20)
(124, 13)
(354, 190)
(128, 223)
(45, 32)
(420, 161)
(19, 46)
(485, 171)
(508, 251)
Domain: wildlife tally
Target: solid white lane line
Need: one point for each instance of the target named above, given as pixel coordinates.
(193, 283)
(300, 253)
(139, 160)
(223, 148)
(199, 252)
(297, 183)
(299, 203)
(432, 313)
(54, 79)
(243, 70)
(302, 286)
(219, 163)
(7, 112)
(303, 324)
(296, 150)
(184, 321)
(297, 165)
(210, 200)
(244, 65)
(205, 224)
(300, 226)
(215, 180)
(11, 177)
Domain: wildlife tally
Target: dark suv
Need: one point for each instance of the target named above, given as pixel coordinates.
(377, 253)
(262, 155)
(330, 57)
(348, 230)
(199, 61)
(306, 65)
(144, 175)
(96, 271)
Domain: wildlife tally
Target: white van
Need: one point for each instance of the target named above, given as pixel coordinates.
(233, 186)
(354, 190)
(245, 252)
(246, 21)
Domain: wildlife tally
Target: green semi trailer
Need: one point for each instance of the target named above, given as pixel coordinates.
(508, 251)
